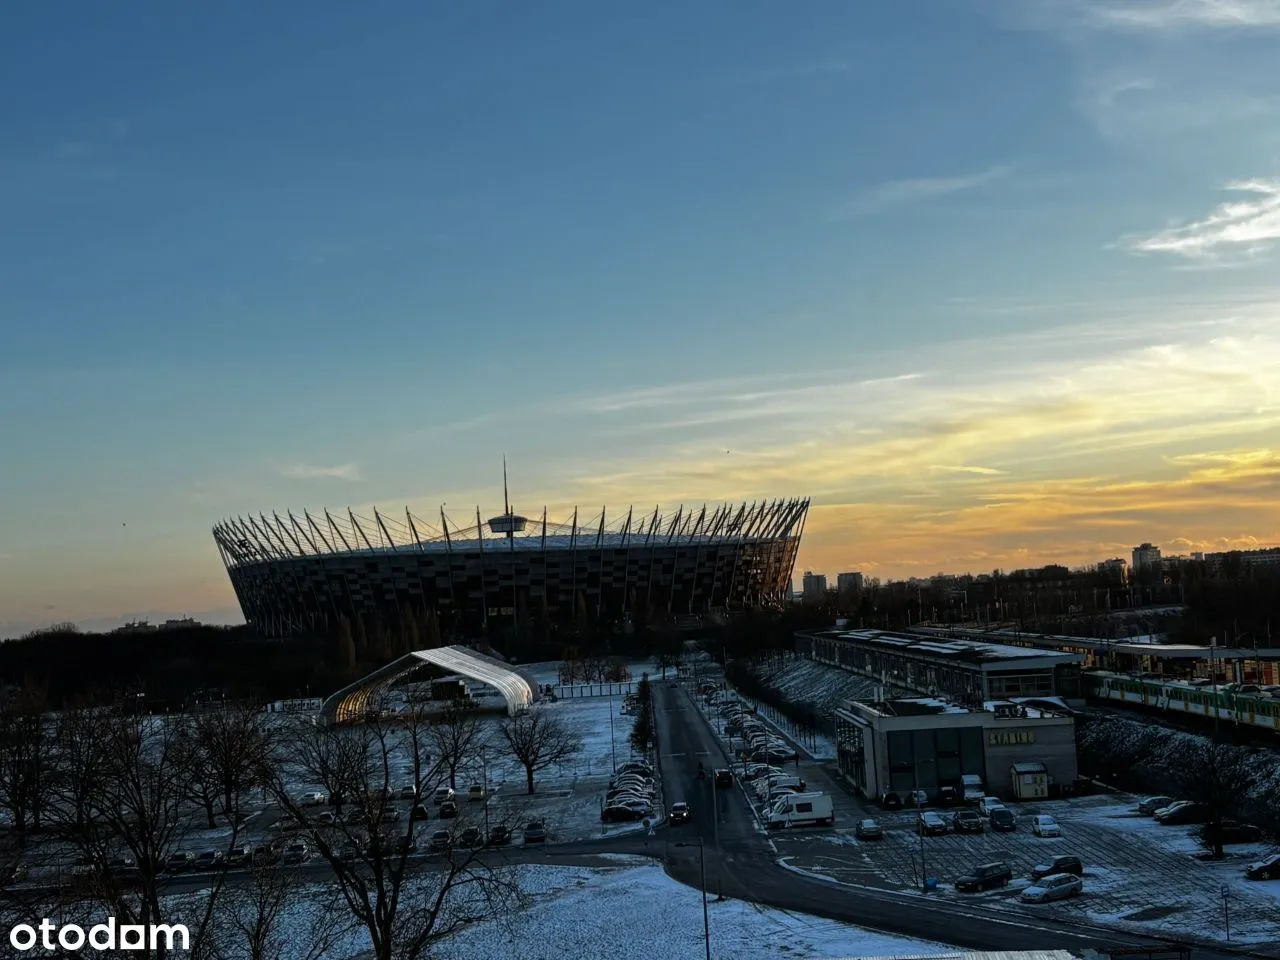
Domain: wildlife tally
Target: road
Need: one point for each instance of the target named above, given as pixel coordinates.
(744, 866)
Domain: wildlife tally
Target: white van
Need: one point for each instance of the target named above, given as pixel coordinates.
(973, 788)
(800, 810)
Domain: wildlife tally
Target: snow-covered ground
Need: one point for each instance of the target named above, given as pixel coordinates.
(631, 912)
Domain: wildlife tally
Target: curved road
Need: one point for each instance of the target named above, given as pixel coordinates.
(744, 865)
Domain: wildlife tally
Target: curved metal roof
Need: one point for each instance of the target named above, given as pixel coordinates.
(350, 702)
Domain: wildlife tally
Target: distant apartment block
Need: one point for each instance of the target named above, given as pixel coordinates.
(1113, 568)
(1146, 555)
(815, 585)
(849, 582)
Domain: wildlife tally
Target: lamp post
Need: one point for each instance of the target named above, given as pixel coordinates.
(915, 777)
(702, 865)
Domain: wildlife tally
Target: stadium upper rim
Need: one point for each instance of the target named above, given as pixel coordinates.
(250, 540)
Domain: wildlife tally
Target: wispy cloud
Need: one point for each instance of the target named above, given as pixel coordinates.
(896, 193)
(310, 471)
(1179, 14)
(1236, 228)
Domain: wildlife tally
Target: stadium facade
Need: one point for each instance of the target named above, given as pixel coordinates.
(305, 576)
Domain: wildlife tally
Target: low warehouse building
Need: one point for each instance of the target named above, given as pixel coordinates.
(928, 743)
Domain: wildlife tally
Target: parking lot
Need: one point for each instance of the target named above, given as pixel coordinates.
(1138, 874)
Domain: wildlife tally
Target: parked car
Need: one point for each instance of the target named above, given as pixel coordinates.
(680, 813)
(1002, 819)
(968, 821)
(985, 877)
(441, 841)
(918, 798)
(207, 860)
(724, 778)
(1182, 814)
(1230, 831)
(1150, 805)
(421, 812)
(1043, 825)
(535, 831)
(313, 799)
(868, 830)
(409, 792)
(239, 856)
(448, 810)
(499, 836)
(616, 813)
(890, 800)
(1056, 886)
(1266, 869)
(471, 837)
(179, 862)
(987, 804)
(948, 796)
(1063, 864)
(931, 824)
(297, 852)
(476, 792)
(442, 795)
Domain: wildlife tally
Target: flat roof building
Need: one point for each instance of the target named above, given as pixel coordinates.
(928, 743)
(964, 670)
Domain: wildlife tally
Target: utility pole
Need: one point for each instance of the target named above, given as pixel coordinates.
(484, 767)
(706, 920)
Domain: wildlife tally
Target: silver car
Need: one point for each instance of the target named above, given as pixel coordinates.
(1056, 886)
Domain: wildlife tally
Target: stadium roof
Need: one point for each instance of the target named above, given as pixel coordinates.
(262, 539)
(350, 703)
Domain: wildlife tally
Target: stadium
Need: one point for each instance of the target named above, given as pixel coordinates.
(509, 576)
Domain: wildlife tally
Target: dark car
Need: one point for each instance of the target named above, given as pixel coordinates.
(535, 832)
(724, 778)
(1230, 831)
(868, 830)
(620, 814)
(985, 877)
(239, 856)
(1265, 869)
(1071, 865)
(1182, 814)
(890, 800)
(441, 842)
(471, 837)
(680, 813)
(499, 836)
(421, 812)
(448, 810)
(179, 862)
(930, 824)
(207, 860)
(967, 821)
(1002, 820)
(948, 796)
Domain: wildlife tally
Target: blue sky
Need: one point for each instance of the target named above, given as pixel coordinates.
(969, 274)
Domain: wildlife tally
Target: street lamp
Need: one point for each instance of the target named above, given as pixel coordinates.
(915, 777)
(702, 864)
(484, 769)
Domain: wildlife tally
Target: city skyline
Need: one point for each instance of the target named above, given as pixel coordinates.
(993, 284)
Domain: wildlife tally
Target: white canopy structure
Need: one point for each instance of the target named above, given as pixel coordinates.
(350, 703)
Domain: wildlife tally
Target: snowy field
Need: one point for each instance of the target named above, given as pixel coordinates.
(632, 912)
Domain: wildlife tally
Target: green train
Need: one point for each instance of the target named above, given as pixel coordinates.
(1255, 708)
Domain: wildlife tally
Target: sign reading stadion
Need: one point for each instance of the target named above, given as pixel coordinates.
(101, 936)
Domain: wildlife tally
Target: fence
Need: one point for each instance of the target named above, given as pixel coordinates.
(574, 691)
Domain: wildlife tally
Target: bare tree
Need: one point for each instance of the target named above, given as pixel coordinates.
(539, 740)
(364, 768)
(25, 741)
(137, 819)
(457, 735)
(250, 925)
(1217, 775)
(227, 749)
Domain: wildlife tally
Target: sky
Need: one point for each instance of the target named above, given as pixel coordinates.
(994, 282)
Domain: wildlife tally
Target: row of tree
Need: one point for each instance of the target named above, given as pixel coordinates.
(1230, 781)
(100, 798)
